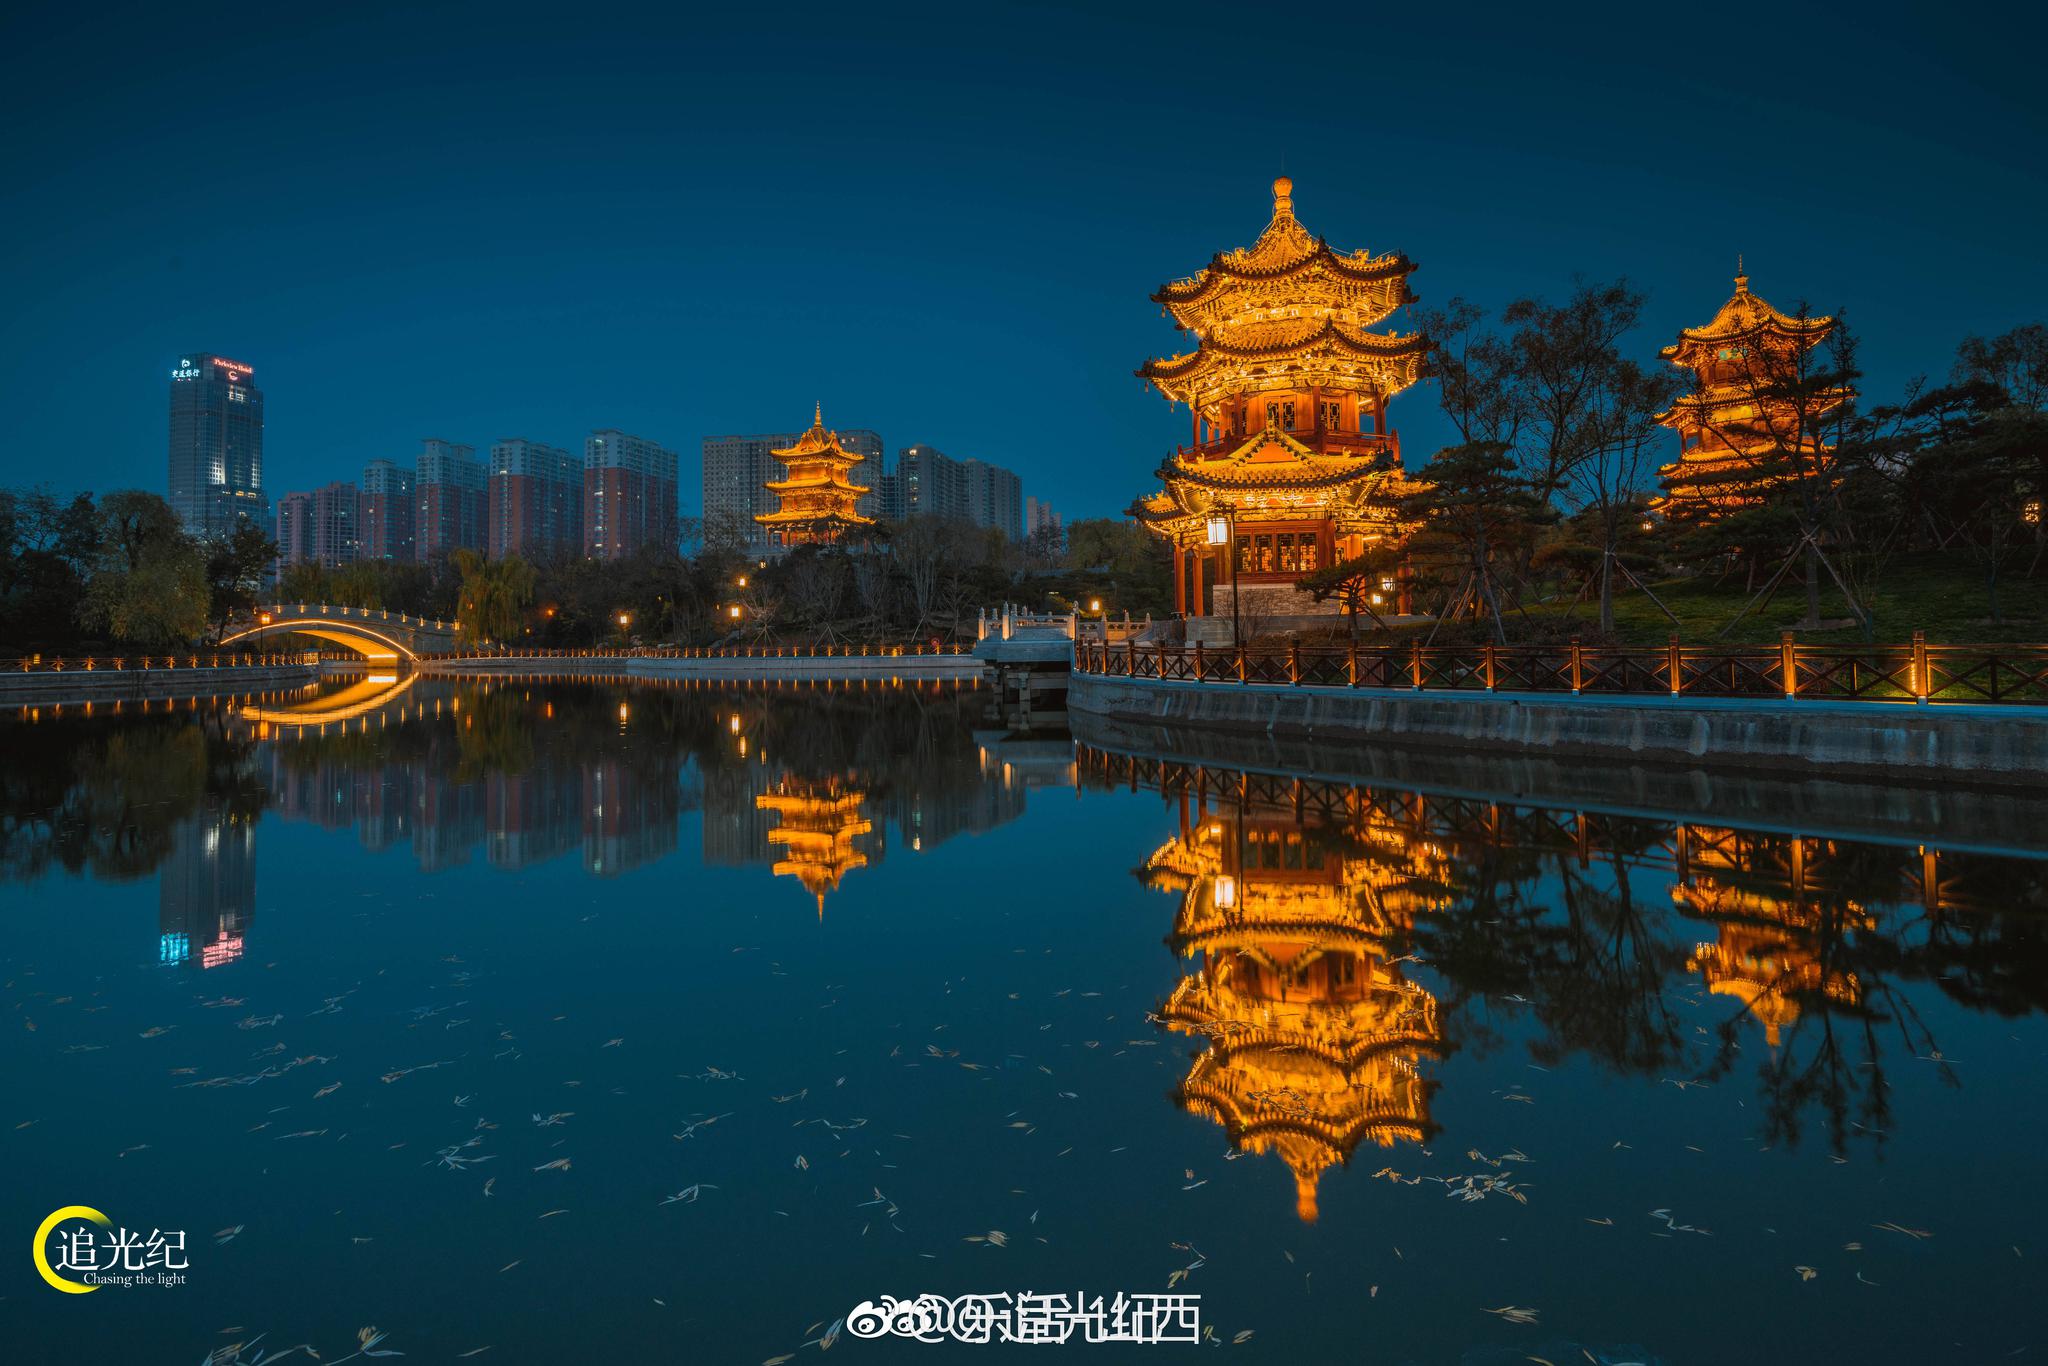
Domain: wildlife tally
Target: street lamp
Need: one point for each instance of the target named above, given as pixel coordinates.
(734, 611)
(1222, 532)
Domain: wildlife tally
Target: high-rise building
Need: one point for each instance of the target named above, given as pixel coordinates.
(216, 465)
(889, 493)
(452, 504)
(995, 498)
(930, 483)
(934, 484)
(294, 529)
(629, 495)
(390, 511)
(337, 524)
(323, 526)
(536, 500)
(1038, 515)
(737, 467)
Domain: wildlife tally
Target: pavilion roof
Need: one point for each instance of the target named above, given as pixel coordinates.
(1744, 315)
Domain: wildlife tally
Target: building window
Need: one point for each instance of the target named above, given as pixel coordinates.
(1287, 416)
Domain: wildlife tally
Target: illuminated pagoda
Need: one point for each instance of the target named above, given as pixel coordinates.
(1739, 427)
(819, 823)
(1769, 910)
(818, 499)
(1291, 465)
(1313, 1036)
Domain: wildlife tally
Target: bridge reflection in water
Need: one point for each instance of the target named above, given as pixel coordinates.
(1310, 904)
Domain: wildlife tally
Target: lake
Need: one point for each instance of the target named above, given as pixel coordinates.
(547, 1022)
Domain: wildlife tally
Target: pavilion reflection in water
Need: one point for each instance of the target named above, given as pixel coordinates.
(1313, 1033)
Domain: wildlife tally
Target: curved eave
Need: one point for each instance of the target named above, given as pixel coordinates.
(813, 486)
(1264, 478)
(812, 518)
(1213, 278)
(1329, 335)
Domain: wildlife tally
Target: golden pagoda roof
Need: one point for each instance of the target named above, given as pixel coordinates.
(1285, 339)
(1274, 459)
(817, 444)
(1284, 251)
(1271, 473)
(1745, 314)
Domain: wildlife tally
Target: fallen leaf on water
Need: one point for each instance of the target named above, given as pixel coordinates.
(1515, 1313)
(1806, 1273)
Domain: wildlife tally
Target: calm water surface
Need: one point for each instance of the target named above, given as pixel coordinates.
(593, 1023)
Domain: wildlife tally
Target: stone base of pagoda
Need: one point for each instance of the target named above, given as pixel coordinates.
(1261, 602)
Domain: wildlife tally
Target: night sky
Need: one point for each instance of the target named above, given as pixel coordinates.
(490, 221)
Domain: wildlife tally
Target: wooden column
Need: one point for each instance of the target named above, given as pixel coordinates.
(1180, 581)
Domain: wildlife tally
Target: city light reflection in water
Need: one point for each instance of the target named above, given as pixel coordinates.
(556, 1019)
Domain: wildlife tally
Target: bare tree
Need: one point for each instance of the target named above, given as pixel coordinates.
(1614, 478)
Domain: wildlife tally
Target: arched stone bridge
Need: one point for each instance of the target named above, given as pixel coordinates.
(378, 635)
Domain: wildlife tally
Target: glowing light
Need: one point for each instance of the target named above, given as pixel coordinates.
(1226, 892)
(1219, 531)
(735, 611)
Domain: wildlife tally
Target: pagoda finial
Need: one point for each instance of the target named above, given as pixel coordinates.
(1741, 276)
(818, 414)
(1283, 198)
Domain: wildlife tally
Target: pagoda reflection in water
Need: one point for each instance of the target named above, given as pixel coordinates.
(817, 836)
(1777, 911)
(1313, 1034)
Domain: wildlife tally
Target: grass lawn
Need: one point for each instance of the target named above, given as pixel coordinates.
(1941, 595)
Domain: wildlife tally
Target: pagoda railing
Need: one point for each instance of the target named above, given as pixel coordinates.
(1788, 671)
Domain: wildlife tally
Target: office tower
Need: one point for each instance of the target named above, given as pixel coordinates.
(995, 498)
(449, 487)
(536, 500)
(390, 511)
(629, 495)
(216, 464)
(736, 468)
(294, 529)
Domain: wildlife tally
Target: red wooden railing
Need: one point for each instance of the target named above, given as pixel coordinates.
(1915, 672)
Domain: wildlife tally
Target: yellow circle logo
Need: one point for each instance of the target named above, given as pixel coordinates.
(42, 1250)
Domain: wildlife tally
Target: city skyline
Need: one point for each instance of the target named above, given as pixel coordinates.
(698, 308)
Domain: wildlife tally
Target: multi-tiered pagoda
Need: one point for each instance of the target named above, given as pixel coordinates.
(1290, 465)
(820, 822)
(1771, 909)
(818, 500)
(1313, 1035)
(1750, 420)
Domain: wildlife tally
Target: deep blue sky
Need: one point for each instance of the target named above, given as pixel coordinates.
(487, 222)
